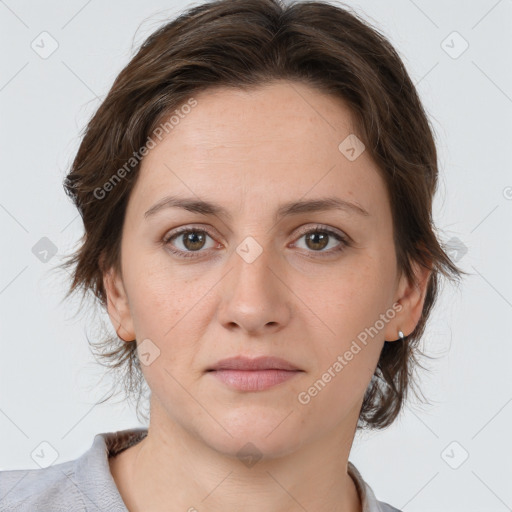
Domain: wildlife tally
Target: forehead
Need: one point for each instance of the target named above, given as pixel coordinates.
(267, 120)
(279, 141)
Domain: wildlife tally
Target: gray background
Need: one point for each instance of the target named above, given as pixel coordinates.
(49, 382)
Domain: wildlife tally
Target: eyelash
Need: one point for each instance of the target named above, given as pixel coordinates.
(317, 229)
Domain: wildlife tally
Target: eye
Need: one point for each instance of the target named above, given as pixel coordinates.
(318, 238)
(189, 241)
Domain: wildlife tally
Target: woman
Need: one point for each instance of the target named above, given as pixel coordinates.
(256, 191)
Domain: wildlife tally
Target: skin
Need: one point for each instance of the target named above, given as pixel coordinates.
(250, 152)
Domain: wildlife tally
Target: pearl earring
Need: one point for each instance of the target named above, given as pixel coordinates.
(401, 335)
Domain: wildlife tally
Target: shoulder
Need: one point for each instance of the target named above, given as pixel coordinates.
(51, 488)
(85, 483)
(386, 507)
(369, 501)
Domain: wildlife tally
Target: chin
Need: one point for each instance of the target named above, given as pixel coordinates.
(260, 434)
(251, 448)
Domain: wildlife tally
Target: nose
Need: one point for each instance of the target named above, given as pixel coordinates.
(254, 296)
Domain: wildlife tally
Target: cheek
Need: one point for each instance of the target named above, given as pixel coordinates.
(335, 395)
(346, 360)
(173, 312)
(159, 296)
(352, 307)
(353, 298)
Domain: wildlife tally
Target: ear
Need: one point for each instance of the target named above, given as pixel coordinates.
(411, 296)
(117, 305)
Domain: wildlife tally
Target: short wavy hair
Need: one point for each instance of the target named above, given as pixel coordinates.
(244, 44)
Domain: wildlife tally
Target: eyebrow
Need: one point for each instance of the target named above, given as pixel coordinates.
(287, 209)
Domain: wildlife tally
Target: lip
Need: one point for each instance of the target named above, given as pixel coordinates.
(254, 380)
(259, 363)
(246, 374)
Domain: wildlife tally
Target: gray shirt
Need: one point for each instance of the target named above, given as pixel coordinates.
(86, 483)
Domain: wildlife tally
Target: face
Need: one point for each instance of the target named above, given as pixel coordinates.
(251, 277)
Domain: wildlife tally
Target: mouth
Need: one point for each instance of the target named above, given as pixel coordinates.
(258, 363)
(245, 374)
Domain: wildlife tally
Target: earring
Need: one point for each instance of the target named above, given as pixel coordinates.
(401, 335)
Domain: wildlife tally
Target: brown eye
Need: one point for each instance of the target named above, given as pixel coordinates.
(186, 242)
(193, 240)
(317, 240)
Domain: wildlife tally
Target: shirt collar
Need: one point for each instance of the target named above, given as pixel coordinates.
(369, 502)
(92, 469)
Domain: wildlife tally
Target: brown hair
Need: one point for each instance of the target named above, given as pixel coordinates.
(243, 44)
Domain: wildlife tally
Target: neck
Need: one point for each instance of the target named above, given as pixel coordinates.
(172, 470)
